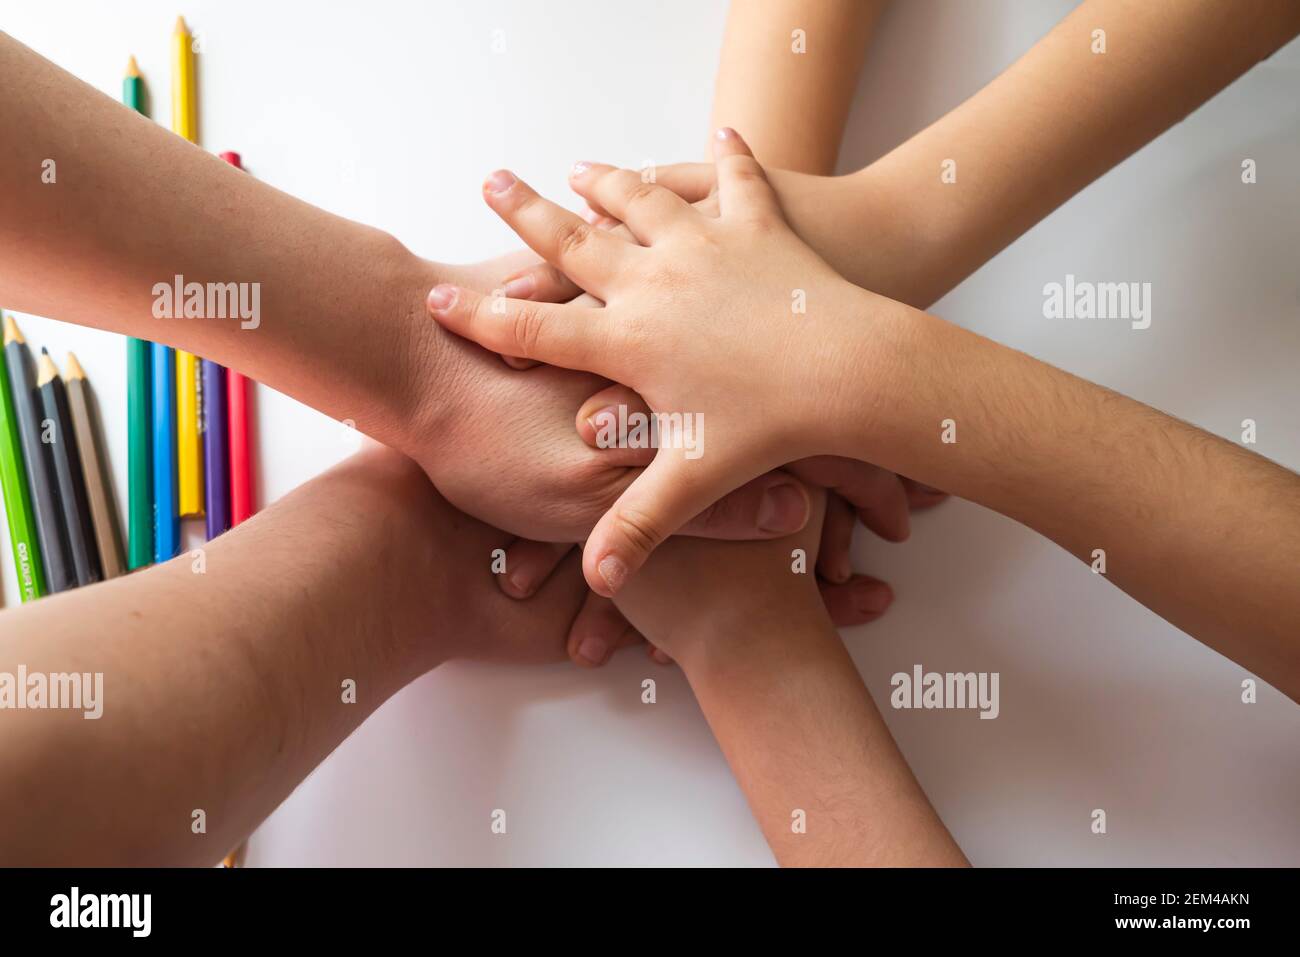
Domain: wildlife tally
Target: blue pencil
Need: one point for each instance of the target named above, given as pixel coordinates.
(166, 524)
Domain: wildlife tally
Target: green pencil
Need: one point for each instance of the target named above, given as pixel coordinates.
(18, 507)
(138, 398)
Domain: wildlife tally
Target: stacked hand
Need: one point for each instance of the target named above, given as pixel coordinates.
(731, 321)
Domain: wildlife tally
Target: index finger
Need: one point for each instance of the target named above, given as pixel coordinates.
(587, 255)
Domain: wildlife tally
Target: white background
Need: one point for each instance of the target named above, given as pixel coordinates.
(392, 113)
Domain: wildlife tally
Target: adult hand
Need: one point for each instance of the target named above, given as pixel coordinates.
(703, 289)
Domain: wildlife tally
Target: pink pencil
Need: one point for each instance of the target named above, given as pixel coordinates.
(241, 456)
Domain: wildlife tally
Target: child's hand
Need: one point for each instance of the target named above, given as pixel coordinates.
(729, 321)
(697, 598)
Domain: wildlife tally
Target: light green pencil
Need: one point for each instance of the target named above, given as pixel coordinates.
(18, 507)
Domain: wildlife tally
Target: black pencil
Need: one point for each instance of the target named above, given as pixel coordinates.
(67, 468)
(55, 555)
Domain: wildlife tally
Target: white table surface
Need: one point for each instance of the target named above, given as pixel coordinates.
(391, 112)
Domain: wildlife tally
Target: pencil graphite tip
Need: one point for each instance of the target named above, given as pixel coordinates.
(132, 68)
(12, 333)
(74, 368)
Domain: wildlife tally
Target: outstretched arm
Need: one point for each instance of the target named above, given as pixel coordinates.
(1054, 121)
(101, 205)
(861, 376)
(340, 318)
(787, 74)
(816, 762)
(223, 686)
(1050, 124)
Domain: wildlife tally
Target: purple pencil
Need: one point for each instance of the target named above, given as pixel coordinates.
(216, 455)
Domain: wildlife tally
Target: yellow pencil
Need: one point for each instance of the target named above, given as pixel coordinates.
(189, 442)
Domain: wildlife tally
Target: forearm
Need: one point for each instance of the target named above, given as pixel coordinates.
(1052, 123)
(222, 687)
(339, 321)
(801, 734)
(779, 59)
(1201, 531)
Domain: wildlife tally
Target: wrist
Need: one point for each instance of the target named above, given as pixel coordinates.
(858, 350)
(392, 496)
(921, 380)
(425, 378)
(715, 645)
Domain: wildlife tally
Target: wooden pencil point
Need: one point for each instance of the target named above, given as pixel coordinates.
(12, 332)
(132, 68)
(180, 25)
(46, 371)
(73, 497)
(74, 368)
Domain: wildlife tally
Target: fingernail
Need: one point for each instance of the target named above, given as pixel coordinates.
(725, 132)
(521, 287)
(500, 181)
(842, 572)
(592, 649)
(602, 420)
(614, 572)
(784, 508)
(579, 168)
(442, 296)
(521, 583)
(873, 599)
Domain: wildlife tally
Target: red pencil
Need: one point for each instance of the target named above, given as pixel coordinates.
(241, 457)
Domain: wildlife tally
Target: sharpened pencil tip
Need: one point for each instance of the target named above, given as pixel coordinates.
(180, 25)
(132, 68)
(46, 371)
(12, 332)
(73, 367)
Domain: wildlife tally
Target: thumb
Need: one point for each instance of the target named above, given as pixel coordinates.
(668, 494)
(743, 188)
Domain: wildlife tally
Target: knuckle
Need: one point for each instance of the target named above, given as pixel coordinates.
(640, 194)
(571, 237)
(638, 530)
(748, 171)
(526, 330)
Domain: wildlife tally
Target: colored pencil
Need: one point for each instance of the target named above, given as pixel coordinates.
(241, 460)
(67, 469)
(42, 485)
(138, 397)
(103, 515)
(17, 499)
(215, 450)
(166, 526)
(189, 446)
(238, 387)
